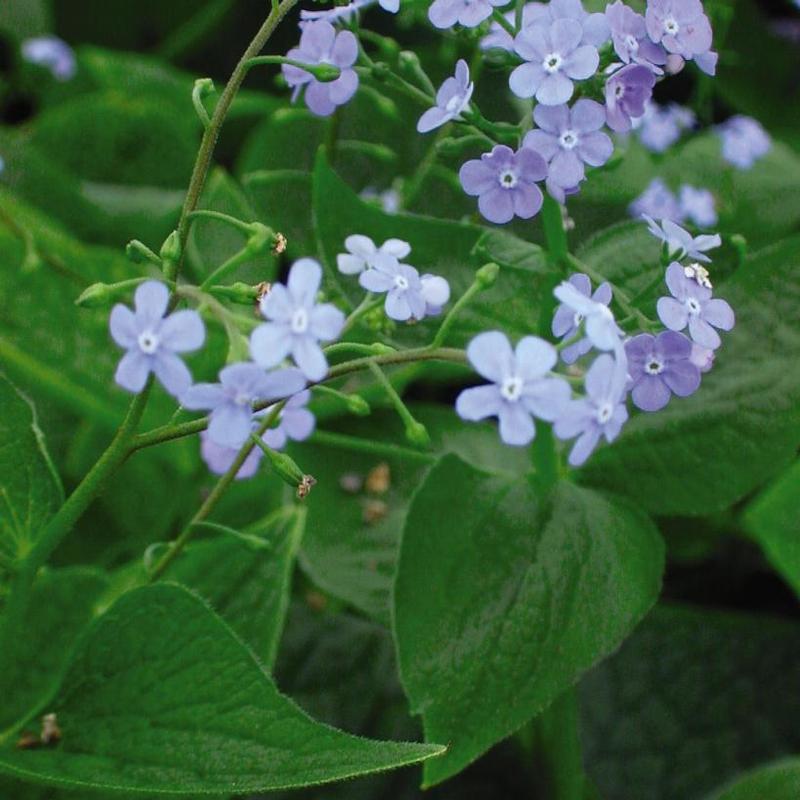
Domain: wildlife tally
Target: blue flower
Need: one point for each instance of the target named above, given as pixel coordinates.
(362, 251)
(153, 340)
(554, 58)
(220, 459)
(661, 126)
(297, 323)
(469, 13)
(697, 205)
(567, 321)
(519, 389)
(629, 34)
(602, 413)
(680, 242)
(657, 201)
(231, 400)
(627, 92)
(452, 98)
(744, 141)
(52, 53)
(601, 329)
(295, 422)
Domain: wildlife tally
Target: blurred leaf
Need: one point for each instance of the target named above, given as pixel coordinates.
(504, 596)
(779, 781)
(61, 606)
(773, 519)
(694, 697)
(247, 579)
(25, 18)
(161, 696)
(702, 454)
(30, 489)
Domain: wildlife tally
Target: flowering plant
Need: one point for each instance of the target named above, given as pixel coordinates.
(465, 338)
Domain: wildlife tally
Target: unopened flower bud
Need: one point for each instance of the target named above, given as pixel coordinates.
(417, 434)
(487, 275)
(139, 253)
(171, 249)
(358, 405)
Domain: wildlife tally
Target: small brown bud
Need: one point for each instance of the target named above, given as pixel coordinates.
(379, 479)
(262, 290)
(28, 741)
(304, 487)
(51, 733)
(374, 511)
(280, 244)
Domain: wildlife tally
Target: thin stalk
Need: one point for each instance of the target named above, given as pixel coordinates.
(554, 234)
(381, 449)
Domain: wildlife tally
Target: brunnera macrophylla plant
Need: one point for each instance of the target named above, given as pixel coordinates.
(589, 359)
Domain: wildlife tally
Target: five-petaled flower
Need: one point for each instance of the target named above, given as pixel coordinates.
(567, 321)
(627, 92)
(660, 366)
(451, 100)
(679, 242)
(321, 44)
(469, 13)
(231, 400)
(554, 58)
(631, 42)
(681, 26)
(297, 323)
(692, 304)
(602, 413)
(744, 141)
(567, 139)
(362, 251)
(505, 183)
(520, 388)
(602, 330)
(153, 340)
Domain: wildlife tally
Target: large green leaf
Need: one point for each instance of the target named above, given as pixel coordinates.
(30, 489)
(703, 453)
(504, 596)
(779, 781)
(247, 579)
(773, 519)
(62, 603)
(694, 697)
(162, 697)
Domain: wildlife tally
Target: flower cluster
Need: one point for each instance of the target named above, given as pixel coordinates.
(647, 366)
(691, 204)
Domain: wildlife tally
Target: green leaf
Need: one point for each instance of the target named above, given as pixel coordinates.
(703, 453)
(25, 18)
(162, 697)
(504, 597)
(247, 579)
(773, 519)
(694, 697)
(779, 781)
(30, 489)
(438, 246)
(61, 605)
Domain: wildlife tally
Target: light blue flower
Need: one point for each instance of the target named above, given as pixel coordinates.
(451, 100)
(520, 388)
(680, 242)
(697, 205)
(657, 201)
(153, 341)
(52, 53)
(744, 141)
(401, 283)
(295, 422)
(297, 323)
(602, 330)
(567, 321)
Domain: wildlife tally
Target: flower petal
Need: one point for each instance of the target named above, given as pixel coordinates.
(132, 371)
(309, 357)
(150, 300)
(650, 393)
(202, 396)
(516, 424)
(270, 343)
(123, 327)
(326, 322)
(172, 372)
(230, 425)
(491, 355)
(479, 403)
(182, 331)
(303, 283)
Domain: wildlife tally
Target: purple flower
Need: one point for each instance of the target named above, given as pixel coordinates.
(657, 201)
(627, 91)
(567, 322)
(52, 53)
(296, 322)
(452, 98)
(702, 358)
(153, 340)
(629, 34)
(660, 127)
(231, 400)
(436, 293)
(691, 304)
(362, 252)
(707, 62)
(505, 183)
(220, 459)
(660, 366)
(321, 44)
(697, 205)
(679, 241)
(568, 139)
(602, 413)
(469, 13)
(679, 25)
(554, 57)
(744, 141)
(601, 329)
(404, 291)
(295, 422)
(519, 388)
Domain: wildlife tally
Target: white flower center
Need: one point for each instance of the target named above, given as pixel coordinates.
(653, 366)
(604, 413)
(299, 322)
(454, 104)
(511, 388)
(671, 26)
(400, 282)
(241, 399)
(577, 319)
(619, 91)
(148, 342)
(552, 62)
(568, 140)
(507, 179)
(692, 306)
(631, 43)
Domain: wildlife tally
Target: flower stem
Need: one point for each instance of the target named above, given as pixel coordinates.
(380, 449)
(554, 234)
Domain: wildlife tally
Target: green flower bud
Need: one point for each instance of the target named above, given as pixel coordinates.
(487, 275)
(358, 405)
(140, 253)
(417, 434)
(171, 249)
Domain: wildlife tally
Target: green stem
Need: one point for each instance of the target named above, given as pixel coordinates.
(554, 234)
(244, 228)
(369, 302)
(475, 288)
(225, 269)
(211, 134)
(500, 19)
(415, 431)
(381, 449)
